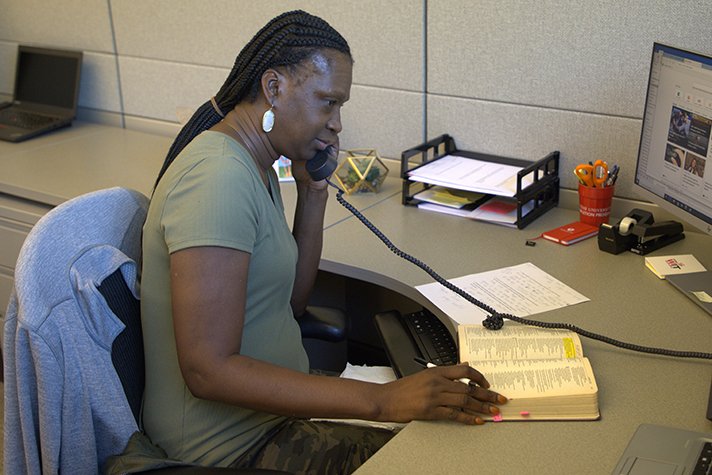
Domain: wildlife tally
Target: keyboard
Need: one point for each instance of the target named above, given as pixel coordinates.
(420, 334)
(433, 338)
(704, 460)
(24, 120)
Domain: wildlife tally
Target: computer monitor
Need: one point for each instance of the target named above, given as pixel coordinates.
(674, 168)
(674, 154)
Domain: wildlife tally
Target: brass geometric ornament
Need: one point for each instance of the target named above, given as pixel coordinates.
(362, 171)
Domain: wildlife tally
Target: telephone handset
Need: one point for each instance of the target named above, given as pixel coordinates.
(322, 165)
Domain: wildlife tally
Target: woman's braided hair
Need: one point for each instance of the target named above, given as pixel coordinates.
(285, 41)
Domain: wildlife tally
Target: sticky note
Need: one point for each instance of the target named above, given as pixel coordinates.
(497, 418)
(703, 296)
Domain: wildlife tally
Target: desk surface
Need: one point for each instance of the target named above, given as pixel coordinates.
(85, 157)
(627, 303)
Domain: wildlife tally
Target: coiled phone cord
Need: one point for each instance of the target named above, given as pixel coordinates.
(495, 320)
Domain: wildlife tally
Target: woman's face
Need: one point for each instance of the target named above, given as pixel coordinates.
(307, 107)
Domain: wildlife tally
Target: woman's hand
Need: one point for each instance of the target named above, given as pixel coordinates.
(436, 393)
(302, 177)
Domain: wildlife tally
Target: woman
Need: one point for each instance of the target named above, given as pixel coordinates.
(227, 379)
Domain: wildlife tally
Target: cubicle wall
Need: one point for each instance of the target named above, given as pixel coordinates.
(510, 77)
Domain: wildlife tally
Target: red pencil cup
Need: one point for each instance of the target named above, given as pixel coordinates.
(595, 204)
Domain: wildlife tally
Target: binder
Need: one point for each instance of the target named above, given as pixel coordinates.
(542, 194)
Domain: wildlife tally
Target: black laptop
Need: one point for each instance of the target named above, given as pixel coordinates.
(697, 286)
(45, 95)
(662, 450)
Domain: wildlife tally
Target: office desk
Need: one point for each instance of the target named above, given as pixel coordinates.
(627, 302)
(65, 163)
(45, 171)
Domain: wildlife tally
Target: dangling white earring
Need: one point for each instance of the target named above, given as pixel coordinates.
(268, 121)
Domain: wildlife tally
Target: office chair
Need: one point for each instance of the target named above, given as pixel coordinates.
(74, 372)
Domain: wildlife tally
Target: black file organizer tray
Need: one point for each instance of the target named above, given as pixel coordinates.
(542, 193)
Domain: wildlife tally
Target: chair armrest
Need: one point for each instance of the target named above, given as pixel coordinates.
(324, 323)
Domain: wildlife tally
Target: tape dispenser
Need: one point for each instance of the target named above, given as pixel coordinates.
(639, 233)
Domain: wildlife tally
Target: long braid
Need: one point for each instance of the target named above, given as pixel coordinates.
(285, 41)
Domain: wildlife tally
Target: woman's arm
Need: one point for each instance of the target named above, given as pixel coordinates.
(208, 287)
(307, 229)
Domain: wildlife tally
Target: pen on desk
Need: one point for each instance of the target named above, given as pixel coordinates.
(428, 364)
(423, 363)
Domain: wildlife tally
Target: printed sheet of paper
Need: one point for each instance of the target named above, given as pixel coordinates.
(520, 290)
(470, 174)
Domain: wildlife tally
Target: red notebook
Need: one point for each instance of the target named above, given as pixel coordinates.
(571, 233)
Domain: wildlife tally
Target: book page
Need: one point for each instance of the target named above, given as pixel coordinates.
(518, 379)
(516, 342)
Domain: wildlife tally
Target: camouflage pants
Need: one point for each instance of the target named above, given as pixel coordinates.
(302, 447)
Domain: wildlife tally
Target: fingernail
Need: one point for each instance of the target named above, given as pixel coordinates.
(501, 399)
(494, 410)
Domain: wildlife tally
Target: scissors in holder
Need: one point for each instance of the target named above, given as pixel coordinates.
(593, 175)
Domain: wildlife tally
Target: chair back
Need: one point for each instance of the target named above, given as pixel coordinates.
(127, 350)
(73, 347)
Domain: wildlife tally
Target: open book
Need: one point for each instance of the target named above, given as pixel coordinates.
(542, 372)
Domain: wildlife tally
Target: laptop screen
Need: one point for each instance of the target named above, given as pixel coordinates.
(47, 77)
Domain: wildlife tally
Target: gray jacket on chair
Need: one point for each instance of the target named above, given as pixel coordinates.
(65, 408)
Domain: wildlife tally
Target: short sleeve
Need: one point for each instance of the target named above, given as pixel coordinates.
(212, 204)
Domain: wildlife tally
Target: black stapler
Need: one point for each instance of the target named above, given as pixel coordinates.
(639, 233)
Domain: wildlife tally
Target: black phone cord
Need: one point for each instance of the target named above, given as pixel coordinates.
(495, 320)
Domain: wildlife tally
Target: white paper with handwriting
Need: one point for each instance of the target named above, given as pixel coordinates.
(520, 290)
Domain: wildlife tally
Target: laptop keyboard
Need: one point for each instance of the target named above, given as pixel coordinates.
(704, 460)
(434, 338)
(24, 120)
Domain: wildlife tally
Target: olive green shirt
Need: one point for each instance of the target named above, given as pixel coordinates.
(212, 195)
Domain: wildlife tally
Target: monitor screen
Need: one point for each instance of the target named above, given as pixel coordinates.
(675, 141)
